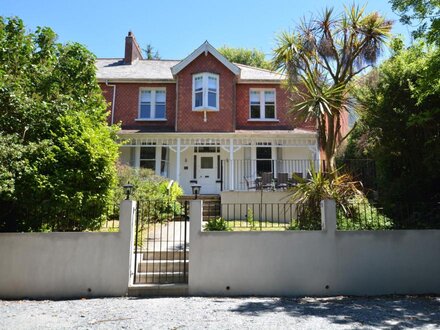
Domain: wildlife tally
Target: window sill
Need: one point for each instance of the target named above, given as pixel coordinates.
(264, 120)
(152, 119)
(205, 109)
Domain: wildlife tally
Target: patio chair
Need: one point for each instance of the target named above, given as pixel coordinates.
(282, 181)
(294, 181)
(266, 180)
(248, 184)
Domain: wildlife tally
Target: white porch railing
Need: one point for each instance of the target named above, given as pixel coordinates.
(250, 169)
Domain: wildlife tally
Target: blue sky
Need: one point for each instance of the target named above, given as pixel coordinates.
(174, 28)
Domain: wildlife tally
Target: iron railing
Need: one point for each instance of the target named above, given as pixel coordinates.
(161, 243)
(50, 216)
(263, 216)
(373, 216)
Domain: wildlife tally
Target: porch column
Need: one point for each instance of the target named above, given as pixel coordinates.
(137, 156)
(254, 160)
(178, 160)
(231, 164)
(158, 159)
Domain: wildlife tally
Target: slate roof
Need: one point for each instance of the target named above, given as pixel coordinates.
(114, 69)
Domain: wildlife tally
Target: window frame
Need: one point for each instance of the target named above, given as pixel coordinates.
(151, 146)
(205, 91)
(153, 91)
(261, 92)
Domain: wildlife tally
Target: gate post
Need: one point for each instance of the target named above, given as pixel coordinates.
(328, 215)
(195, 228)
(127, 215)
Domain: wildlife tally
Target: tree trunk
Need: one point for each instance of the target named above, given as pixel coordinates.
(330, 163)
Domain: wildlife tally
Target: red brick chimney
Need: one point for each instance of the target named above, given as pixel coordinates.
(132, 50)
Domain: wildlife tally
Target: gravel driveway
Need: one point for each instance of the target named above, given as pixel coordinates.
(224, 313)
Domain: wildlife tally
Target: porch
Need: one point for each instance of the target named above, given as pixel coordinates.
(221, 161)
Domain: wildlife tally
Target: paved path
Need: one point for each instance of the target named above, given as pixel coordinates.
(169, 236)
(224, 313)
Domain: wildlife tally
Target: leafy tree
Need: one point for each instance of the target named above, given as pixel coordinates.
(400, 125)
(321, 59)
(57, 152)
(150, 53)
(251, 57)
(424, 13)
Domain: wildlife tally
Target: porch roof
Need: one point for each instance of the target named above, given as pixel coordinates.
(291, 138)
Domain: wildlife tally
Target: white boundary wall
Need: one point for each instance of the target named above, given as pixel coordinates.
(326, 262)
(67, 265)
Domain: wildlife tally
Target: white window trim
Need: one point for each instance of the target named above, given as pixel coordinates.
(205, 78)
(263, 104)
(153, 104)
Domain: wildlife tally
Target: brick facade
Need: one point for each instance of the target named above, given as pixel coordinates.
(127, 106)
(192, 121)
(233, 103)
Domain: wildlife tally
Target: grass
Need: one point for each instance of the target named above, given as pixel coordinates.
(255, 225)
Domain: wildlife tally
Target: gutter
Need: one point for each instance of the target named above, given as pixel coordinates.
(113, 101)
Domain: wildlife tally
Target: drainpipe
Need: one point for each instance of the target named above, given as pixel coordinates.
(113, 101)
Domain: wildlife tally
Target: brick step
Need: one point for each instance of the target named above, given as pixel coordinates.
(164, 255)
(159, 266)
(161, 278)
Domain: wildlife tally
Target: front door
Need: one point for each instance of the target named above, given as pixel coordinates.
(207, 170)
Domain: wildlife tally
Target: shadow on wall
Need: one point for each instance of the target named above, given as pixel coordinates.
(404, 312)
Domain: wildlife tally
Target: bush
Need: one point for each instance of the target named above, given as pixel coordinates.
(361, 215)
(156, 195)
(218, 224)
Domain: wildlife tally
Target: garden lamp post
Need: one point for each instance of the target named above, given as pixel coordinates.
(128, 188)
(196, 190)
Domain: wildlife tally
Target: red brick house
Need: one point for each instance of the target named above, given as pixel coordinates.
(203, 120)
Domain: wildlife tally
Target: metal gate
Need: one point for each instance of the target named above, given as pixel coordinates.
(161, 243)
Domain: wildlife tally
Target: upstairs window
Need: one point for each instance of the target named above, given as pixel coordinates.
(152, 104)
(262, 104)
(205, 91)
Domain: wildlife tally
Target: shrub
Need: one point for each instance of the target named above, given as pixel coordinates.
(217, 224)
(293, 225)
(309, 193)
(361, 215)
(157, 195)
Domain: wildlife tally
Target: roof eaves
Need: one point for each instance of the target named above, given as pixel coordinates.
(134, 80)
(260, 81)
(205, 47)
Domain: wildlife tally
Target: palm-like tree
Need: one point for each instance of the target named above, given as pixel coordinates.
(321, 59)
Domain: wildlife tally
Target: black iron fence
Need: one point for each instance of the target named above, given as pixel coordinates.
(363, 170)
(260, 216)
(50, 216)
(372, 216)
(161, 242)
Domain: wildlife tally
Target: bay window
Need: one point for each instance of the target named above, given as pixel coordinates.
(205, 92)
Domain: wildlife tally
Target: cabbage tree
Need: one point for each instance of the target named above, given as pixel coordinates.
(321, 58)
